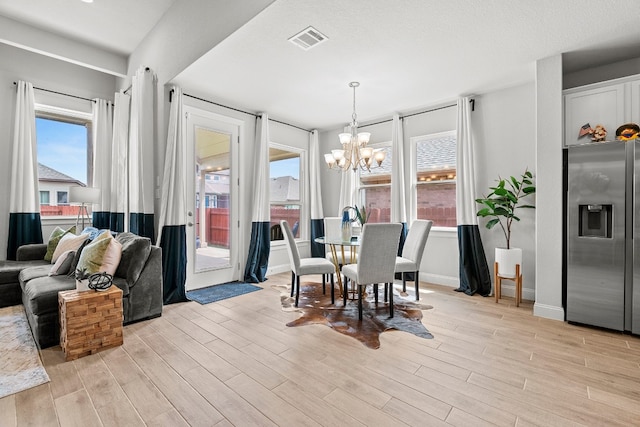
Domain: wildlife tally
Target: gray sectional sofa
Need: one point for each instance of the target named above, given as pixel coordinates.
(27, 281)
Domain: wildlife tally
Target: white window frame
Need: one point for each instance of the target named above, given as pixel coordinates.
(303, 230)
(51, 112)
(413, 173)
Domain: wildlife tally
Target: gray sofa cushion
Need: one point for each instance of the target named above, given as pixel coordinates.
(135, 252)
(9, 270)
(41, 293)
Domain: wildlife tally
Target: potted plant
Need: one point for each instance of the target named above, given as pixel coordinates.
(500, 205)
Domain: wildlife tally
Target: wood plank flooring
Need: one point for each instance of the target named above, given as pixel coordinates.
(236, 363)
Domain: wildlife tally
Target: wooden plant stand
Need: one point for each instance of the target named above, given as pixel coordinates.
(90, 321)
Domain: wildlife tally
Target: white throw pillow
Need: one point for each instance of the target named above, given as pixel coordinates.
(63, 263)
(68, 242)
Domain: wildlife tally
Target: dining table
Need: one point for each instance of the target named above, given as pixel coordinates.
(333, 243)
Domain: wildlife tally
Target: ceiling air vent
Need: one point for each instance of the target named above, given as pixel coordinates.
(308, 38)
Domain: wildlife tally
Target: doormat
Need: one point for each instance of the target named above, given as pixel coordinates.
(20, 365)
(219, 292)
(316, 308)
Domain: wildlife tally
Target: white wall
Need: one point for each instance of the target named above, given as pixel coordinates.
(549, 193)
(44, 72)
(505, 126)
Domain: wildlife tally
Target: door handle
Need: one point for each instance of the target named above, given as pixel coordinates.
(190, 224)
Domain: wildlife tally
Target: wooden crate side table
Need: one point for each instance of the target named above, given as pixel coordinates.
(90, 321)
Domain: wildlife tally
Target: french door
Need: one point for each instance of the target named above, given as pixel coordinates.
(212, 198)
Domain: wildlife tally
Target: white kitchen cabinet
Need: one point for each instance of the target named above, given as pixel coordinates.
(603, 105)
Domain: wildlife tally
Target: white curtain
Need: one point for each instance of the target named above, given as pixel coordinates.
(102, 143)
(398, 200)
(119, 205)
(142, 141)
(173, 205)
(25, 225)
(260, 245)
(348, 196)
(474, 272)
(315, 195)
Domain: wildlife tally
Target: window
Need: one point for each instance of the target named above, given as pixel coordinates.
(375, 187)
(63, 198)
(44, 197)
(435, 166)
(64, 156)
(285, 189)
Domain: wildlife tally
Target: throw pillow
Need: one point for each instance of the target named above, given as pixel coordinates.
(54, 238)
(76, 258)
(101, 255)
(68, 242)
(94, 232)
(63, 263)
(135, 251)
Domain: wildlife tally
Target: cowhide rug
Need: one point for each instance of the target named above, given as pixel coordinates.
(316, 308)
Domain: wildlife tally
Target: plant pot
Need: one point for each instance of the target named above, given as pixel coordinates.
(82, 285)
(507, 260)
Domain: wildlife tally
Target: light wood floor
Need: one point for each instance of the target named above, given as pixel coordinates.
(236, 363)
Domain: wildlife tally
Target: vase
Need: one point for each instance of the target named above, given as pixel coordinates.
(346, 231)
(82, 285)
(507, 260)
(346, 226)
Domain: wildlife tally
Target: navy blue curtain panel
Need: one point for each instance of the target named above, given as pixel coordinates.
(258, 259)
(24, 229)
(474, 272)
(142, 225)
(403, 237)
(317, 230)
(174, 263)
(109, 220)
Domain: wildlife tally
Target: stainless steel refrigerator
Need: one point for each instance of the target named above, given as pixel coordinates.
(603, 217)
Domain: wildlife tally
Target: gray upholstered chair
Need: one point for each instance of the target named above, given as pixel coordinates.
(412, 252)
(376, 261)
(305, 266)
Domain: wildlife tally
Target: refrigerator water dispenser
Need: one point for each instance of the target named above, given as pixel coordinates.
(595, 221)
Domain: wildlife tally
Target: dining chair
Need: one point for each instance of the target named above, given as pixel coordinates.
(305, 266)
(412, 252)
(376, 261)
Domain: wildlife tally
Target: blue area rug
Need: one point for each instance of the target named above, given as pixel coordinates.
(220, 292)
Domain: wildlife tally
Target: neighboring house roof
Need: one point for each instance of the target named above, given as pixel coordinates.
(436, 153)
(284, 189)
(216, 187)
(45, 173)
(432, 154)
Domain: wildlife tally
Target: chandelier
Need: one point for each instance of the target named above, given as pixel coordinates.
(354, 152)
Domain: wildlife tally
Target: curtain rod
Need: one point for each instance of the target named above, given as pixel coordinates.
(238, 110)
(61, 93)
(472, 101)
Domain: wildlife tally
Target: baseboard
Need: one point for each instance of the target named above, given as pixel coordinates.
(278, 269)
(438, 279)
(509, 290)
(548, 311)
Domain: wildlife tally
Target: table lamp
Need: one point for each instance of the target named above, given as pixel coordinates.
(85, 196)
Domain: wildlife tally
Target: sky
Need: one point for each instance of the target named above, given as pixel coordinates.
(286, 167)
(63, 147)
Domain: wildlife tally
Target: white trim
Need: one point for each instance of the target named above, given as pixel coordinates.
(548, 311)
(438, 279)
(44, 108)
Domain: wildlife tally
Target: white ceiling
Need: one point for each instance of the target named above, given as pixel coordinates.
(407, 54)
(114, 25)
